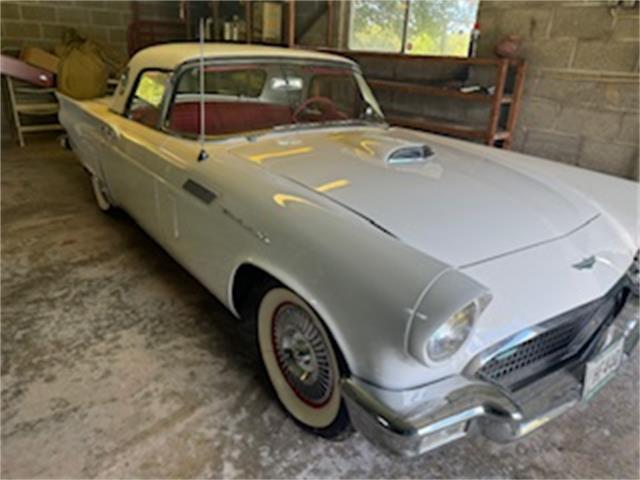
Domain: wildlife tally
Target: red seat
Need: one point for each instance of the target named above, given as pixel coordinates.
(227, 117)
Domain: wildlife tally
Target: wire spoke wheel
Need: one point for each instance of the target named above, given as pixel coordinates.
(302, 354)
(300, 360)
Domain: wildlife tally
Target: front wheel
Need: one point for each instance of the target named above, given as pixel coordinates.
(301, 362)
(101, 195)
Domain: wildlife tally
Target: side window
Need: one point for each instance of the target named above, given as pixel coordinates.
(146, 101)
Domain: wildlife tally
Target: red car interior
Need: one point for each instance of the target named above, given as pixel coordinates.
(227, 117)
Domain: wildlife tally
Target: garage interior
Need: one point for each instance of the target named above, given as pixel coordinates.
(117, 363)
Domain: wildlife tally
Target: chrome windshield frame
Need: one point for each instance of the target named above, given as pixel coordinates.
(169, 96)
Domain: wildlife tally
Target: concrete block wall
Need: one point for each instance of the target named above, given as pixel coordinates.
(581, 98)
(42, 23)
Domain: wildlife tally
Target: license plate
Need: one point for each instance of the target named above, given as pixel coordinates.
(600, 370)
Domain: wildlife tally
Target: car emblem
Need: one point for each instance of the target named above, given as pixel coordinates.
(588, 262)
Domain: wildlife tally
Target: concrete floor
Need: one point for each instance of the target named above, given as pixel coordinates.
(116, 363)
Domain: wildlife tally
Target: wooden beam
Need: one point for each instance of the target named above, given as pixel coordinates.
(248, 21)
(135, 11)
(342, 27)
(329, 23)
(514, 110)
(405, 26)
(291, 37)
(494, 117)
(435, 58)
(215, 11)
(437, 125)
(407, 87)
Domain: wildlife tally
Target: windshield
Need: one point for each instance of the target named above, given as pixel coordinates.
(252, 97)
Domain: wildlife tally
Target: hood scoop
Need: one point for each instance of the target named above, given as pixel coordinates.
(410, 155)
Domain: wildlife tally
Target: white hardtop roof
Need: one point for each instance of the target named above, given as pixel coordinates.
(170, 55)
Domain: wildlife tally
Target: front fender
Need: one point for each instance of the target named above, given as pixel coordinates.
(363, 282)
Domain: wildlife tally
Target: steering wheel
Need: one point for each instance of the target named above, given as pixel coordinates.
(331, 109)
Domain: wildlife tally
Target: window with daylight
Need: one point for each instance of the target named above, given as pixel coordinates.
(146, 99)
(436, 27)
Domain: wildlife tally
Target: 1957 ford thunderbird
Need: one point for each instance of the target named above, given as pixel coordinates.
(418, 287)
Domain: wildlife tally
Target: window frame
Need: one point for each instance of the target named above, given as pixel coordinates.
(134, 88)
(405, 33)
(403, 38)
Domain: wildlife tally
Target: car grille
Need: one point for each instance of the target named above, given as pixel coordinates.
(556, 342)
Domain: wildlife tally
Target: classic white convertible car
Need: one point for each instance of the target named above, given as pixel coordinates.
(415, 286)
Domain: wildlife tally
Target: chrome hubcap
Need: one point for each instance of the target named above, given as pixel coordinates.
(302, 355)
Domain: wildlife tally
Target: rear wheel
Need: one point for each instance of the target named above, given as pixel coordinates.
(301, 361)
(101, 194)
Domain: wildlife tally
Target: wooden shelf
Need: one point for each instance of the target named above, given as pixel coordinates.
(444, 126)
(481, 61)
(502, 135)
(503, 106)
(48, 108)
(431, 90)
(428, 90)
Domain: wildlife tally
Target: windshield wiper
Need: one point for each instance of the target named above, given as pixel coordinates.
(311, 125)
(327, 123)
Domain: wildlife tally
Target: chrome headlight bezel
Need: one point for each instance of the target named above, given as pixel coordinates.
(452, 334)
(450, 293)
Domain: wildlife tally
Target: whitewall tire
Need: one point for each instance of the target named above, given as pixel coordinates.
(301, 361)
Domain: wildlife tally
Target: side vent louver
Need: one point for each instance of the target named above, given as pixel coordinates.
(409, 155)
(200, 192)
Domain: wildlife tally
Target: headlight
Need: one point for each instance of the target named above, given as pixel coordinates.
(450, 336)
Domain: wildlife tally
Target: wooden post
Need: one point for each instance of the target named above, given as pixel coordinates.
(329, 23)
(342, 19)
(135, 11)
(405, 26)
(248, 20)
(514, 107)
(292, 24)
(494, 118)
(215, 11)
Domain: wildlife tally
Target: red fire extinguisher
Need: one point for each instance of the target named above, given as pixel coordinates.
(475, 36)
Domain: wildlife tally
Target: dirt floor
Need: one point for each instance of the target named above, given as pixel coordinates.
(116, 363)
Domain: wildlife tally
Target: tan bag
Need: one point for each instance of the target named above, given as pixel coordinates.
(82, 71)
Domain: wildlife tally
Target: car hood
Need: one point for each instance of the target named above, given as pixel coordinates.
(456, 206)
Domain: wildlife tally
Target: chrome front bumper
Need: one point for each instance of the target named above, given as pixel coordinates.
(476, 405)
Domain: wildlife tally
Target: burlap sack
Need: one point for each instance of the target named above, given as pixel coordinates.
(82, 71)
